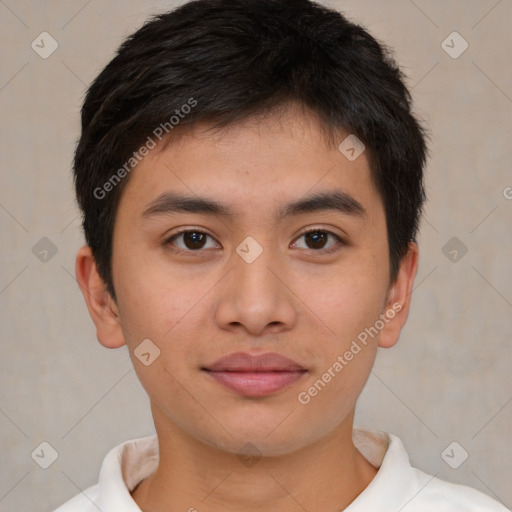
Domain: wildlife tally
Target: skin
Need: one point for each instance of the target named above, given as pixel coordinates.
(303, 302)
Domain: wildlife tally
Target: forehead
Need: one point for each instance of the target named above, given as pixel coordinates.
(259, 162)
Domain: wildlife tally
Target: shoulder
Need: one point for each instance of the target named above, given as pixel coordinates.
(122, 469)
(398, 486)
(442, 496)
(83, 502)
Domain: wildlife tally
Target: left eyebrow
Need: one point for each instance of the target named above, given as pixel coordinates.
(342, 202)
(322, 201)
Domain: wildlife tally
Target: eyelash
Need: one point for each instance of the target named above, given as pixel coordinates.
(340, 241)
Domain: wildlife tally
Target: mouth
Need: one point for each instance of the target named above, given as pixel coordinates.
(255, 375)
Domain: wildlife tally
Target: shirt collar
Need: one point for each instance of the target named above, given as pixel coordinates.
(394, 485)
(123, 468)
(128, 464)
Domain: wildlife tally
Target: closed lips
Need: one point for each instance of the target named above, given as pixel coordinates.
(244, 362)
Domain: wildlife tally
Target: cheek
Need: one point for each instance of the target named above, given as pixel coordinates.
(152, 298)
(172, 312)
(349, 305)
(349, 300)
(344, 352)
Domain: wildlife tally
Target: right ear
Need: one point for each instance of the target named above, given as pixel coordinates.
(101, 306)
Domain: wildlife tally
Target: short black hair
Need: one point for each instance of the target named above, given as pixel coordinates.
(223, 61)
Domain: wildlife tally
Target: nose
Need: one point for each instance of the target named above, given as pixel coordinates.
(255, 297)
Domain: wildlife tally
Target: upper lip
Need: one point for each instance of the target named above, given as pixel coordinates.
(244, 362)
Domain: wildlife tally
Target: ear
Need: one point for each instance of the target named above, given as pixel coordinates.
(101, 306)
(399, 298)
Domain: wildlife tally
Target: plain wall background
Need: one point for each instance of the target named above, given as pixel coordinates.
(449, 377)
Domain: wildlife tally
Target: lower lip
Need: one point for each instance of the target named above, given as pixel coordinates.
(256, 383)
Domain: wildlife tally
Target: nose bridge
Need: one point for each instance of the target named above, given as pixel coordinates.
(253, 269)
(255, 296)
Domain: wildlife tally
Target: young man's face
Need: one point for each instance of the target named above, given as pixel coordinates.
(305, 297)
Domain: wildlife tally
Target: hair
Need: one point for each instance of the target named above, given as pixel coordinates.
(236, 59)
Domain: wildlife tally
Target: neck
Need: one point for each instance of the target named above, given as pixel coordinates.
(325, 475)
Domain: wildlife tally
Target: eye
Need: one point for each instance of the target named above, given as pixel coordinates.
(319, 240)
(191, 240)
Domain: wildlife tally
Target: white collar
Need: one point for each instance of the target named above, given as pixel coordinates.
(132, 461)
(396, 487)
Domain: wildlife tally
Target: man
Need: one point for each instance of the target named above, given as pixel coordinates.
(251, 179)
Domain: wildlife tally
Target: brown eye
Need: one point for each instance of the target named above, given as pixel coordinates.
(194, 239)
(318, 240)
(191, 240)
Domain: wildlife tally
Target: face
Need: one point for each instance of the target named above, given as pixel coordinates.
(277, 245)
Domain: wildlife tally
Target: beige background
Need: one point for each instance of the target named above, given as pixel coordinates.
(449, 378)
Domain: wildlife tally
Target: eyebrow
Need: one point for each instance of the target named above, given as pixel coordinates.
(169, 202)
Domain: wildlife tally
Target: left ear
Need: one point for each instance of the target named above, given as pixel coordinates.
(399, 298)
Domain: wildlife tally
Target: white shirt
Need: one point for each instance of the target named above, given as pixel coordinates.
(397, 487)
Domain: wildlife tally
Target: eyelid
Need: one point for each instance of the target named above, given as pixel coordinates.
(310, 229)
(188, 229)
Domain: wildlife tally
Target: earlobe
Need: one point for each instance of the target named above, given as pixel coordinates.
(399, 298)
(101, 306)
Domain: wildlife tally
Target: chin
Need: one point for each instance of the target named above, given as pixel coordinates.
(258, 445)
(270, 438)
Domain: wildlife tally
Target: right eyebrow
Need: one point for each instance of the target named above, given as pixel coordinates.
(169, 202)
